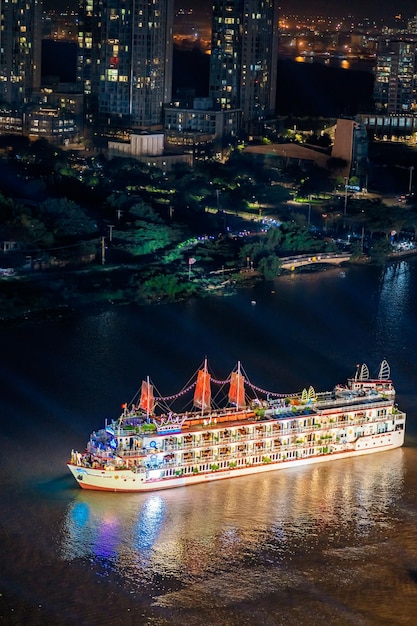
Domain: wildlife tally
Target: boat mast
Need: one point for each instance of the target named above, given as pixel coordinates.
(148, 382)
(204, 387)
(237, 387)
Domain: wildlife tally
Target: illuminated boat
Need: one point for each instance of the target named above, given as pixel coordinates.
(151, 447)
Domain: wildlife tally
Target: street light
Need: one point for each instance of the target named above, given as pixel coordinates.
(103, 251)
(346, 190)
(410, 181)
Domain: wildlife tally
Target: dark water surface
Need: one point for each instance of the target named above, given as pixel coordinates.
(334, 543)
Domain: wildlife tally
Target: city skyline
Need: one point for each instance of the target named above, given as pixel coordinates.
(357, 8)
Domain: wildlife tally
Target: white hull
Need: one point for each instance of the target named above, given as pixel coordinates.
(139, 453)
(129, 481)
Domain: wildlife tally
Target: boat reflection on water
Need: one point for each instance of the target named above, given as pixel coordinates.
(183, 534)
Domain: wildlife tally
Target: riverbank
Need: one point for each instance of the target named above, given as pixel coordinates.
(41, 295)
(46, 295)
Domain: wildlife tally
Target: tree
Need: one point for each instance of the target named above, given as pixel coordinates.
(34, 232)
(355, 250)
(7, 209)
(17, 144)
(315, 183)
(411, 219)
(147, 238)
(269, 266)
(323, 140)
(42, 152)
(165, 287)
(380, 251)
(336, 164)
(66, 219)
(297, 236)
(274, 194)
(144, 212)
(274, 238)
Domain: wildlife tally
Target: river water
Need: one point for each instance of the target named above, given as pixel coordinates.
(333, 543)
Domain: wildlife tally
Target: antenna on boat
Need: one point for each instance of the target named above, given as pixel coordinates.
(362, 372)
(357, 371)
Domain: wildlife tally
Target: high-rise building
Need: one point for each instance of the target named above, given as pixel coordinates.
(20, 50)
(125, 59)
(412, 26)
(395, 83)
(244, 55)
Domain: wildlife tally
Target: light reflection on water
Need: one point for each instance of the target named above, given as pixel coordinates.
(299, 546)
(393, 304)
(185, 536)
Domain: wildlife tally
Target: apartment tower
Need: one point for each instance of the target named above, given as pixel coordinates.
(20, 50)
(125, 61)
(395, 83)
(244, 54)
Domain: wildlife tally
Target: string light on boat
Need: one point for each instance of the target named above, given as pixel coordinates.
(221, 382)
(177, 395)
(225, 382)
(269, 393)
(259, 389)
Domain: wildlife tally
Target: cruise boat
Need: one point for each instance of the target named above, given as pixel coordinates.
(150, 447)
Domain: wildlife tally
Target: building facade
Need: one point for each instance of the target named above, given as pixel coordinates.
(401, 127)
(395, 75)
(243, 62)
(351, 146)
(20, 50)
(201, 125)
(125, 61)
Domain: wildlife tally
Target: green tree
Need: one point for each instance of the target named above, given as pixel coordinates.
(146, 238)
(411, 219)
(165, 287)
(66, 219)
(269, 266)
(274, 238)
(379, 252)
(355, 250)
(316, 182)
(34, 232)
(297, 236)
(117, 201)
(143, 211)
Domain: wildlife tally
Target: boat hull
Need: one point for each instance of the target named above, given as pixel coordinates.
(126, 480)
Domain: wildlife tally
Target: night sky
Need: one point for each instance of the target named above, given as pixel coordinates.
(359, 8)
